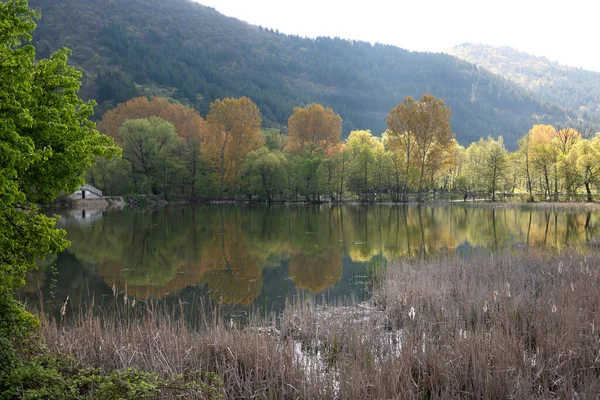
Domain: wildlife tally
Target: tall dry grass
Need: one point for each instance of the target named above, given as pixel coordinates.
(502, 326)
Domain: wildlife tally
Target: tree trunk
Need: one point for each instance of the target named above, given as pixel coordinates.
(589, 192)
(547, 181)
(222, 172)
(194, 168)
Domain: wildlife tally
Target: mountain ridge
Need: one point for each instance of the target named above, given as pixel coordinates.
(571, 87)
(193, 54)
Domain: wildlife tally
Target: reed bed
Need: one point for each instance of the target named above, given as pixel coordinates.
(486, 326)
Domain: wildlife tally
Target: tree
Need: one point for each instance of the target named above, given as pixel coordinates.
(187, 122)
(264, 171)
(543, 154)
(274, 139)
(459, 164)
(524, 152)
(585, 155)
(233, 131)
(46, 141)
(565, 139)
(150, 146)
(314, 129)
(362, 147)
(475, 155)
(420, 131)
(494, 164)
(486, 165)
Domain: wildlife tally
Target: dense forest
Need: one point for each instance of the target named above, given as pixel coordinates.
(572, 88)
(188, 52)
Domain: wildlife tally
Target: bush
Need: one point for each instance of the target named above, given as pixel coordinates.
(60, 377)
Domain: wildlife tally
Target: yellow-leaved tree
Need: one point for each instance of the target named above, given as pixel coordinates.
(543, 154)
(314, 128)
(420, 132)
(233, 131)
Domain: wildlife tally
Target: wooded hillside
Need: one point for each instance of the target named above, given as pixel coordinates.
(191, 53)
(569, 87)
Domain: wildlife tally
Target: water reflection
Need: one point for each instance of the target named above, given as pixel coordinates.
(229, 251)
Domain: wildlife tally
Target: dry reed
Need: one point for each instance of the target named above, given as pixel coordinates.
(501, 326)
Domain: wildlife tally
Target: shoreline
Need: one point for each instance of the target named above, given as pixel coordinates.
(150, 201)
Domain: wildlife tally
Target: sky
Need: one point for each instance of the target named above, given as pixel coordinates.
(563, 31)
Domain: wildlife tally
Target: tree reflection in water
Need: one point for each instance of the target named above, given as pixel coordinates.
(226, 249)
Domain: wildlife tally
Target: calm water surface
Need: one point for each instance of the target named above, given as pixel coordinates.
(242, 258)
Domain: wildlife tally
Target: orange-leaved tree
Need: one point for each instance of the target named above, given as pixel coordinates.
(187, 122)
(233, 131)
(314, 128)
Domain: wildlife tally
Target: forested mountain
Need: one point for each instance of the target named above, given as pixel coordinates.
(192, 53)
(572, 88)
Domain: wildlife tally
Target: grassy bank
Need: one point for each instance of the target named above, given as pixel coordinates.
(507, 326)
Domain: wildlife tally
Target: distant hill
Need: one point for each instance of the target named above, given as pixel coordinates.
(572, 88)
(192, 53)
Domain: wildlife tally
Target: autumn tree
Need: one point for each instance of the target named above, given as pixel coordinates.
(438, 168)
(419, 131)
(233, 131)
(188, 124)
(314, 128)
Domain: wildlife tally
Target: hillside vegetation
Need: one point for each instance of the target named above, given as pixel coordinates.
(572, 88)
(193, 54)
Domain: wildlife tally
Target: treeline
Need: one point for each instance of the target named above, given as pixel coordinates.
(170, 150)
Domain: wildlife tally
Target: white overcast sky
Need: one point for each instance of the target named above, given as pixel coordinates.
(563, 31)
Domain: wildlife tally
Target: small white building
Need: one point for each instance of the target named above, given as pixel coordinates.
(86, 192)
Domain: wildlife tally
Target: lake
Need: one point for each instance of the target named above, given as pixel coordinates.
(241, 258)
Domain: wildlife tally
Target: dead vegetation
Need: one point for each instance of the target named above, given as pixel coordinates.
(502, 326)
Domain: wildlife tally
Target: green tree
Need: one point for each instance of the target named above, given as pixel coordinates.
(112, 176)
(264, 172)
(274, 139)
(565, 139)
(524, 160)
(585, 155)
(486, 165)
(494, 164)
(332, 173)
(543, 154)
(362, 147)
(46, 142)
(150, 146)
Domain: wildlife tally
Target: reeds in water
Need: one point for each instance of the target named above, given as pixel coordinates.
(508, 326)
